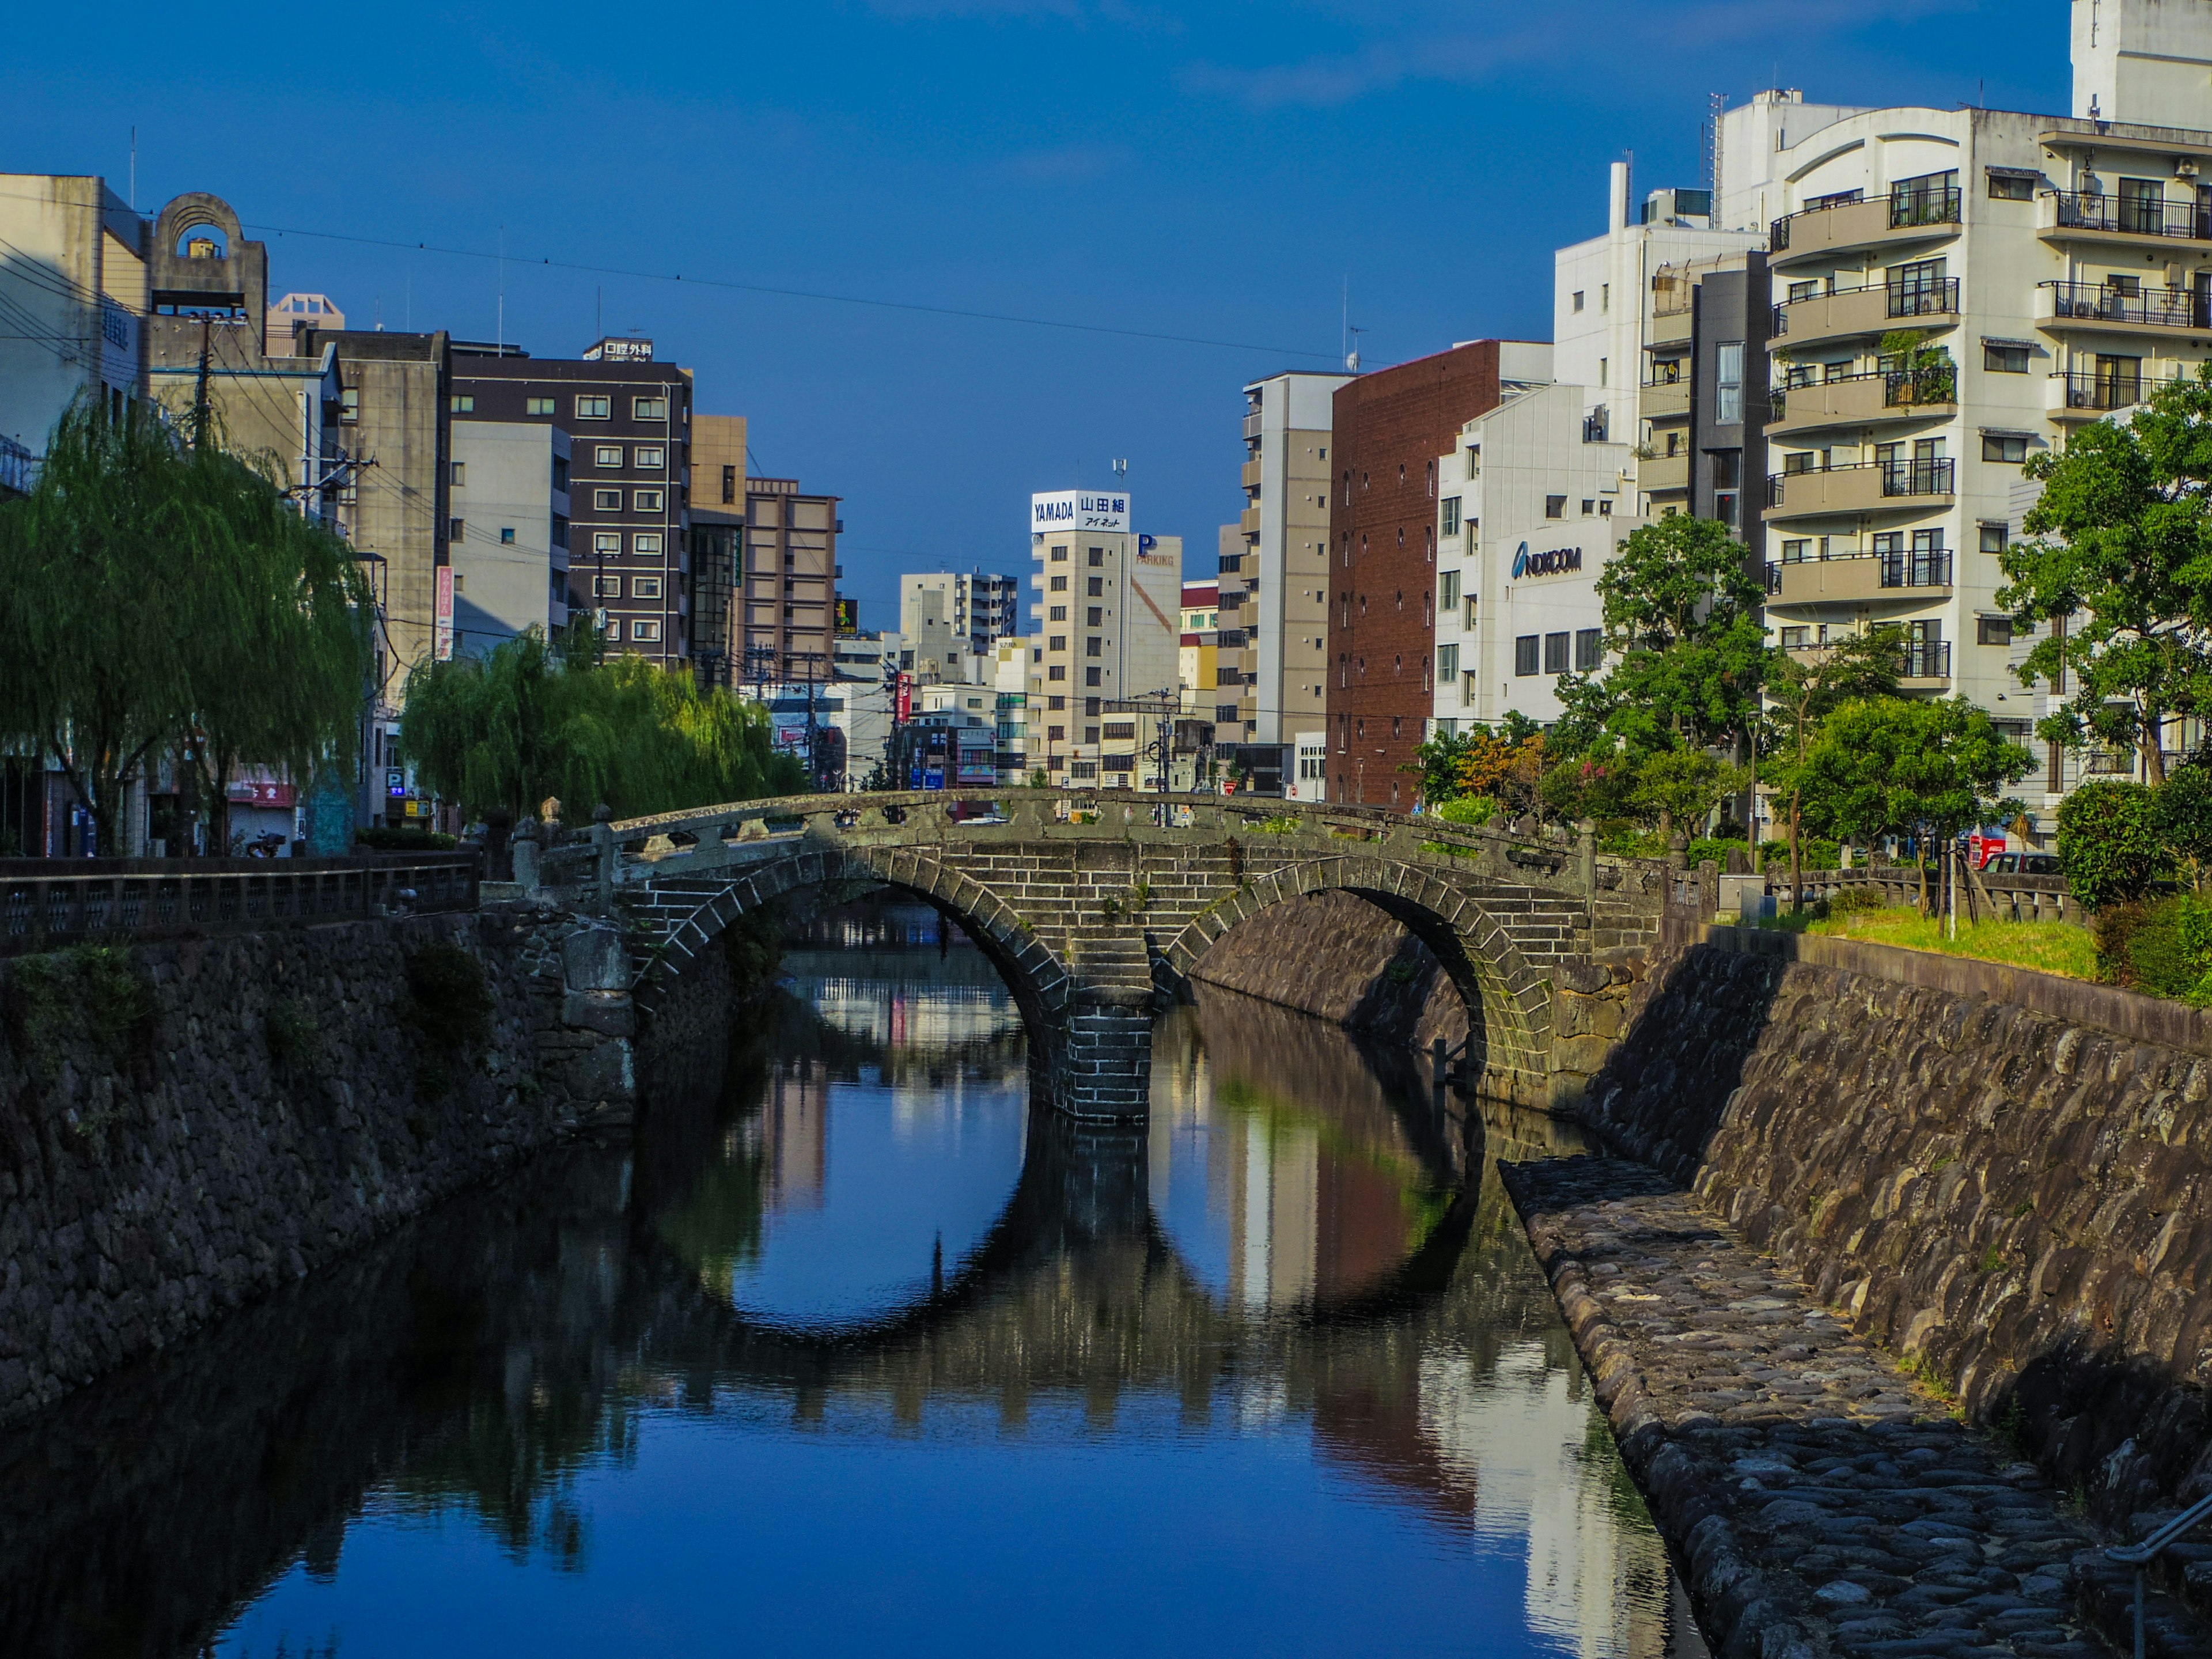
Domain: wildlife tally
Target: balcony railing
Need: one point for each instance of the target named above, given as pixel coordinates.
(1907, 208)
(1916, 569)
(1905, 389)
(2131, 217)
(1920, 477)
(2156, 308)
(1925, 659)
(2102, 393)
(1937, 297)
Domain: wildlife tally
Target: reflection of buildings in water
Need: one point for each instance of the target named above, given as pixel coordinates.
(1541, 1464)
(908, 1016)
(793, 1127)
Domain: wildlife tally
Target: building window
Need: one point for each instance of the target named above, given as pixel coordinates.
(649, 500)
(1059, 584)
(1121, 732)
(591, 409)
(645, 587)
(1555, 653)
(606, 500)
(2009, 448)
(2005, 357)
(606, 587)
(349, 404)
(1097, 558)
(651, 457)
(645, 541)
(1093, 646)
(1057, 705)
(1056, 643)
(614, 629)
(456, 528)
(1995, 538)
(1525, 650)
(1098, 588)
(645, 630)
(1589, 508)
(729, 485)
(1095, 616)
(1057, 672)
(2011, 187)
(506, 535)
(464, 404)
(1059, 614)
(538, 405)
(650, 408)
(1589, 649)
(1578, 300)
(560, 532)
(606, 541)
(1091, 676)
(1451, 515)
(1993, 631)
(1555, 506)
(1446, 661)
(607, 455)
(1727, 383)
(460, 474)
(1058, 554)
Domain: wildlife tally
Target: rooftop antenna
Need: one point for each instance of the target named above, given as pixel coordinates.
(503, 291)
(1122, 469)
(134, 169)
(1717, 105)
(1351, 334)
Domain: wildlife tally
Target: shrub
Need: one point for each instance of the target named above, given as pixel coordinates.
(449, 1004)
(2184, 814)
(1717, 849)
(404, 839)
(2162, 948)
(1853, 900)
(2110, 839)
(1470, 809)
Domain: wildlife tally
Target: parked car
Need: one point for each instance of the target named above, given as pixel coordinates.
(2024, 863)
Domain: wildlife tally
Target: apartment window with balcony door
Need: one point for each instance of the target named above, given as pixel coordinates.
(2119, 381)
(1806, 290)
(1918, 289)
(2142, 206)
(1727, 383)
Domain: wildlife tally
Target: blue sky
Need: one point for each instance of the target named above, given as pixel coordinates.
(1214, 171)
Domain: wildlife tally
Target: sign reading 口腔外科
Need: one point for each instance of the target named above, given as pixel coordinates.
(1557, 562)
(1079, 509)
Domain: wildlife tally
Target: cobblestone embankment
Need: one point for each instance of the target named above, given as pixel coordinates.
(1819, 1501)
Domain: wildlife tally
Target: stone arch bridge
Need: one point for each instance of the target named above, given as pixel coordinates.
(1094, 906)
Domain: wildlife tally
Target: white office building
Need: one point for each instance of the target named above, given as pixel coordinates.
(510, 554)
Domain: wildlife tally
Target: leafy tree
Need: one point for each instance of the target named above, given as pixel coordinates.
(2121, 563)
(1505, 768)
(1599, 783)
(1894, 766)
(519, 724)
(2185, 815)
(1680, 610)
(1438, 763)
(2112, 842)
(1803, 690)
(1683, 786)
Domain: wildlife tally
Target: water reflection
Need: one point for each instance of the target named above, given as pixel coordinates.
(859, 1353)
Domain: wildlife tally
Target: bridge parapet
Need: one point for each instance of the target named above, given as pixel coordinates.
(1094, 905)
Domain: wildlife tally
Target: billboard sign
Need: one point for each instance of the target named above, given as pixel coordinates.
(1079, 509)
(444, 648)
(1559, 561)
(849, 618)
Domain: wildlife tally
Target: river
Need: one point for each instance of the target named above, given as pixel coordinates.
(851, 1352)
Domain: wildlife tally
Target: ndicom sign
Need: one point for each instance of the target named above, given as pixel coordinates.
(1078, 509)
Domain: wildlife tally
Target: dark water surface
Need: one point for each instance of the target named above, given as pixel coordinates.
(853, 1354)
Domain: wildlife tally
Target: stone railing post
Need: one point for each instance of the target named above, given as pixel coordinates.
(497, 863)
(603, 839)
(1586, 856)
(1709, 890)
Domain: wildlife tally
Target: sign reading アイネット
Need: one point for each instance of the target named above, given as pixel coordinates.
(1079, 509)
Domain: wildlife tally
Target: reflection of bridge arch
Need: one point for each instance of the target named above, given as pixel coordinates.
(1093, 910)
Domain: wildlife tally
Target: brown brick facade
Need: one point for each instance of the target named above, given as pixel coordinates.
(1390, 428)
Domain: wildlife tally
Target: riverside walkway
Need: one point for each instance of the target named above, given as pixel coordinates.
(1819, 1501)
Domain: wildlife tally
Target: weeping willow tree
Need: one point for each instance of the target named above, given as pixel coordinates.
(157, 599)
(526, 721)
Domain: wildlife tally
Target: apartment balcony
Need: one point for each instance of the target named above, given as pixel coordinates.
(2083, 220)
(1872, 487)
(1860, 580)
(1865, 400)
(1668, 329)
(1249, 478)
(1664, 474)
(1248, 523)
(1926, 667)
(1886, 221)
(2106, 309)
(1666, 400)
(2090, 394)
(1252, 424)
(1859, 313)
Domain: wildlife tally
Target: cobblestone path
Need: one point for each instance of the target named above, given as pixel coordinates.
(1821, 1502)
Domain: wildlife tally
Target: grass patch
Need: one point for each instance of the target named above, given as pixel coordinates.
(2048, 947)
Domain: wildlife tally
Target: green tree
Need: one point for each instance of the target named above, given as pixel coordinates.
(1894, 766)
(2120, 566)
(1683, 786)
(1680, 613)
(2113, 842)
(523, 722)
(1803, 689)
(2185, 815)
(1438, 763)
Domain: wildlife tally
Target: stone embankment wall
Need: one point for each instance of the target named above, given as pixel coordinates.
(2004, 1178)
(1340, 958)
(184, 1126)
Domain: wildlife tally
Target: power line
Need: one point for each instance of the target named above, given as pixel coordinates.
(803, 293)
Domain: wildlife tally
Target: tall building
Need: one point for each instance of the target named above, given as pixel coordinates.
(1389, 429)
(73, 304)
(628, 420)
(1103, 658)
(1274, 584)
(509, 488)
(972, 612)
(1956, 291)
(789, 599)
(718, 539)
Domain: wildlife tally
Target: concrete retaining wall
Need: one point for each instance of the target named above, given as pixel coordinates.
(184, 1126)
(2005, 1177)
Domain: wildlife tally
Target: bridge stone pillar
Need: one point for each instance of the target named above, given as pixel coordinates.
(1104, 1071)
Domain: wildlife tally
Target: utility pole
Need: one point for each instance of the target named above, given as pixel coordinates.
(200, 393)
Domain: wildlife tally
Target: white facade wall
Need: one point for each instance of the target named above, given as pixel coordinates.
(73, 299)
(511, 562)
(1286, 609)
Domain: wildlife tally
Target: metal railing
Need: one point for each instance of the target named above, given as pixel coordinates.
(1937, 296)
(2134, 217)
(1901, 388)
(2102, 302)
(1924, 206)
(1919, 478)
(45, 903)
(2141, 1555)
(1916, 569)
(1925, 659)
(2102, 393)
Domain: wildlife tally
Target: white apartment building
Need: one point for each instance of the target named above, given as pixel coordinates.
(1274, 579)
(1532, 503)
(1108, 602)
(1010, 682)
(954, 618)
(867, 688)
(2061, 265)
(510, 558)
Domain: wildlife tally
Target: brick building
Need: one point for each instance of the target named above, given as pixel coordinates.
(1389, 429)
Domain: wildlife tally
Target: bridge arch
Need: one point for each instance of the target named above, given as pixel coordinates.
(1508, 997)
